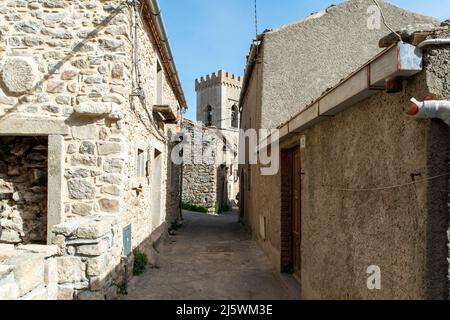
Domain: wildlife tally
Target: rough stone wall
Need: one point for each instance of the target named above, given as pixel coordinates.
(28, 272)
(207, 181)
(73, 61)
(23, 190)
(322, 50)
(199, 179)
(260, 194)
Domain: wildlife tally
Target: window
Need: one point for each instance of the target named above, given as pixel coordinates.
(141, 162)
(208, 117)
(225, 144)
(159, 85)
(234, 117)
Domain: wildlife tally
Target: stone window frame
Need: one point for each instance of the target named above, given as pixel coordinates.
(234, 116)
(209, 116)
(55, 130)
(137, 181)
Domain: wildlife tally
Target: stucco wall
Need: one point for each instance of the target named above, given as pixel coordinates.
(402, 230)
(260, 195)
(343, 232)
(313, 55)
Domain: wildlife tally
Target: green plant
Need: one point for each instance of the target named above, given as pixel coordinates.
(121, 289)
(187, 205)
(221, 208)
(140, 262)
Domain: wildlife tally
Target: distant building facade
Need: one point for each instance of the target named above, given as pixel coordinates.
(214, 186)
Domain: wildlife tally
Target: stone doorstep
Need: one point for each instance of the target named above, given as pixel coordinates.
(28, 270)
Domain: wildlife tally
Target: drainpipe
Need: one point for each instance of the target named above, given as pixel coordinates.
(435, 42)
(439, 109)
(138, 88)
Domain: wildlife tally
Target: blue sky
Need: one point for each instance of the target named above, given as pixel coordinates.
(208, 35)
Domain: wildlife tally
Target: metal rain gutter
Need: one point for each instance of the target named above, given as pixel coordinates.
(400, 60)
(169, 62)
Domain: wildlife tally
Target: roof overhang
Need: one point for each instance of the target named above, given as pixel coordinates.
(165, 114)
(399, 61)
(152, 13)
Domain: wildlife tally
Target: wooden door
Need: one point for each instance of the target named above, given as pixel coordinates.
(296, 212)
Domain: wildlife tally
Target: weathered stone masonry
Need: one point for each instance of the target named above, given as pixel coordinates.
(23, 189)
(67, 73)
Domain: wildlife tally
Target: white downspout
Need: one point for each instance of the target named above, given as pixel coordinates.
(434, 42)
(439, 109)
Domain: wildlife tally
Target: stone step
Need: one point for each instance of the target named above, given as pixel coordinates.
(28, 269)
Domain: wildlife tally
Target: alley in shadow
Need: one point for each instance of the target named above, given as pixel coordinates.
(210, 257)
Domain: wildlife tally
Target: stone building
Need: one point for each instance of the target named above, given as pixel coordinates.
(361, 185)
(89, 103)
(214, 183)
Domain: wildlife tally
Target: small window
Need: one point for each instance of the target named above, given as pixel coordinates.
(141, 170)
(234, 117)
(208, 117)
(225, 144)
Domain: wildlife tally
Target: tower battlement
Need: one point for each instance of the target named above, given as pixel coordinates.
(220, 77)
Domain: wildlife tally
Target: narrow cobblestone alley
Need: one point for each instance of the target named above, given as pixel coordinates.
(211, 257)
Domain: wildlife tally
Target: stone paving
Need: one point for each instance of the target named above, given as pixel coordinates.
(211, 257)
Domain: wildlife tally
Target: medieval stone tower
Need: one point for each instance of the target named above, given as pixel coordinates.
(218, 100)
(215, 186)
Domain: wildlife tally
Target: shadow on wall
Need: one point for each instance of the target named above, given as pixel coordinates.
(223, 203)
(54, 70)
(173, 193)
(437, 268)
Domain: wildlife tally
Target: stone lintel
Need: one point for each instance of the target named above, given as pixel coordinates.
(22, 125)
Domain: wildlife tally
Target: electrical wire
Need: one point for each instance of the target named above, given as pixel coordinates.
(389, 187)
(256, 18)
(384, 20)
